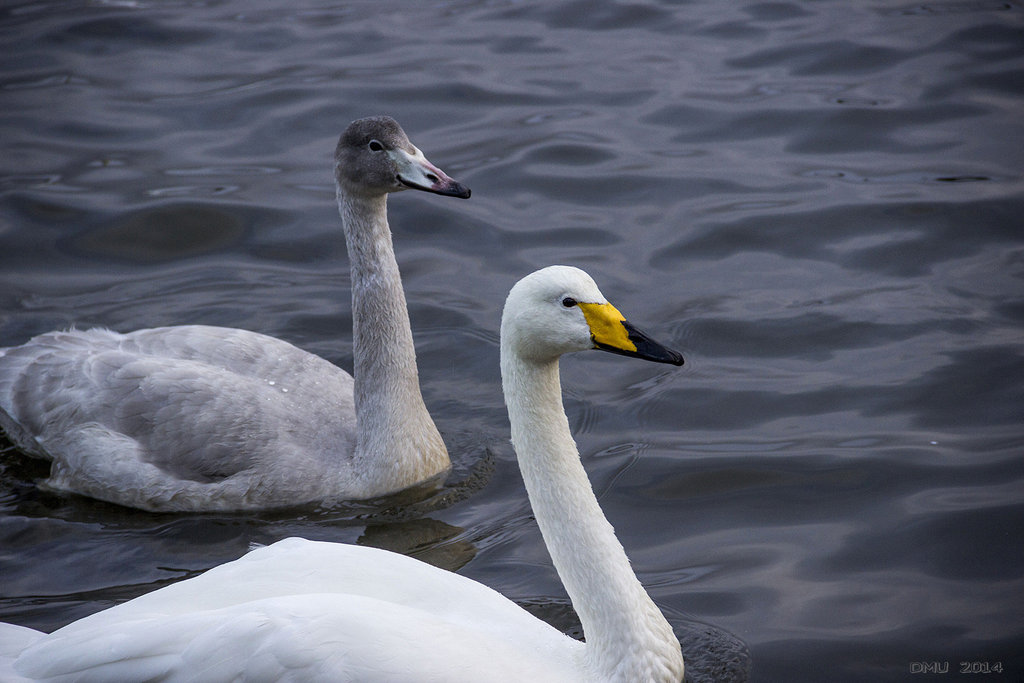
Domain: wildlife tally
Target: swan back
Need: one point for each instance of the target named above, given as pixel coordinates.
(308, 611)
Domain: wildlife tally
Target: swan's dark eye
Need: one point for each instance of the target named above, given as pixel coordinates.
(568, 302)
(376, 146)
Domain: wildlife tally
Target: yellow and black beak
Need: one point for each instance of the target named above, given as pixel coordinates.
(612, 332)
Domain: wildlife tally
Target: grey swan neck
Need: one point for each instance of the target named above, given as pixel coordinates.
(627, 637)
(392, 421)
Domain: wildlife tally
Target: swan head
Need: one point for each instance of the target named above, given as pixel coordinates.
(374, 157)
(559, 309)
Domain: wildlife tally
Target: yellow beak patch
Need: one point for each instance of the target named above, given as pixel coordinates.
(606, 326)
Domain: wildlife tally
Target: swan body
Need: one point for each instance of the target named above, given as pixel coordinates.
(304, 611)
(197, 418)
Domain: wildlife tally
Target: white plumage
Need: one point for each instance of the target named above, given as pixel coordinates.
(311, 611)
(209, 418)
(301, 611)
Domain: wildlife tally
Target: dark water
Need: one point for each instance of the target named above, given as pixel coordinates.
(819, 203)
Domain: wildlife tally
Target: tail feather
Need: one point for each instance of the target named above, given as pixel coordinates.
(13, 641)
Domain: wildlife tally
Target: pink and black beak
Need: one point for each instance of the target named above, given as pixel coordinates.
(417, 173)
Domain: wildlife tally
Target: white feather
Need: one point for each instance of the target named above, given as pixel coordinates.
(310, 611)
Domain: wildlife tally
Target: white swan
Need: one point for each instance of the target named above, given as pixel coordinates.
(304, 611)
(209, 418)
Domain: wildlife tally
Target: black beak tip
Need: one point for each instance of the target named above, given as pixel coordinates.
(660, 354)
(646, 350)
(651, 350)
(452, 189)
(447, 189)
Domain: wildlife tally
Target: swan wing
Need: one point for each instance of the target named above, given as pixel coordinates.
(311, 637)
(302, 610)
(13, 641)
(172, 409)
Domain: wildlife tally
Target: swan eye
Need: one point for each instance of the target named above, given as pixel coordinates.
(568, 302)
(376, 146)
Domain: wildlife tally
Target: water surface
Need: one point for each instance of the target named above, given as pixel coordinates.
(820, 204)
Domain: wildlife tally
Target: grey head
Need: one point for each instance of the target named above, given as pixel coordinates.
(374, 157)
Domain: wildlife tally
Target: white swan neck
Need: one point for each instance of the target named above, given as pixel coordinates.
(393, 422)
(627, 637)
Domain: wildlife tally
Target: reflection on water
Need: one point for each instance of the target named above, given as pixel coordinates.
(819, 204)
(425, 539)
(166, 233)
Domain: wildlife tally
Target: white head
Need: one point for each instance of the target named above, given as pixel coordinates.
(559, 309)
